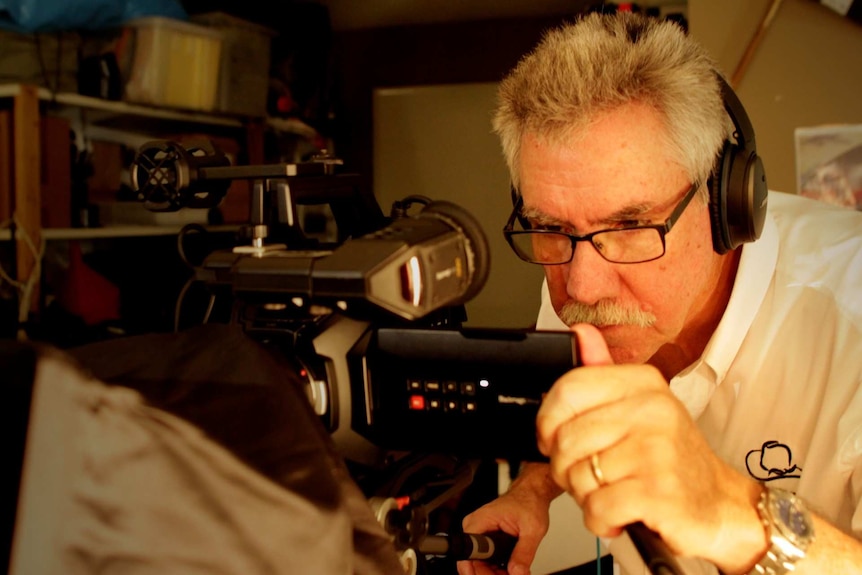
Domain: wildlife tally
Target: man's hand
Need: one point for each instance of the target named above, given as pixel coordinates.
(653, 463)
(523, 512)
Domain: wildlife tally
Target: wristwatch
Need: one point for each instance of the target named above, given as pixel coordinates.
(788, 525)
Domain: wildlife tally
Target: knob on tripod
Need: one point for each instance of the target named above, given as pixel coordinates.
(169, 176)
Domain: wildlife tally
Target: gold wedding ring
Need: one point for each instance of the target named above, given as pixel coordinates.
(597, 471)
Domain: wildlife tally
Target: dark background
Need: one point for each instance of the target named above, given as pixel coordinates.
(333, 71)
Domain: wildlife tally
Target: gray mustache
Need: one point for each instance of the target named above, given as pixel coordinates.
(605, 313)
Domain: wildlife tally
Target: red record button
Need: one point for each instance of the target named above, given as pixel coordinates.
(417, 402)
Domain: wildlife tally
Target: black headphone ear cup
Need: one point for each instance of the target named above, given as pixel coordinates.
(717, 185)
(746, 197)
(737, 198)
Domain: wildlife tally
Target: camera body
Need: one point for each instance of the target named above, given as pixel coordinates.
(372, 320)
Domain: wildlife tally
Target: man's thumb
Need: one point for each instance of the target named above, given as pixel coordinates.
(592, 348)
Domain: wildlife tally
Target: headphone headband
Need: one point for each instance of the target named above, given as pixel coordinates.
(738, 115)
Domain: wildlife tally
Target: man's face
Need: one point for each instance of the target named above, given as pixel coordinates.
(618, 174)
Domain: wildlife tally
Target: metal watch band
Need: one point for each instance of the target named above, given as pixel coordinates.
(783, 553)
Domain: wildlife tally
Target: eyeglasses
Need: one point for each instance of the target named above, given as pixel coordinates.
(628, 245)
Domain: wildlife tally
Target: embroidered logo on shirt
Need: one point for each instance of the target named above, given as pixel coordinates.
(772, 461)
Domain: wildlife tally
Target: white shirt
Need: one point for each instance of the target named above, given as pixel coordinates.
(778, 389)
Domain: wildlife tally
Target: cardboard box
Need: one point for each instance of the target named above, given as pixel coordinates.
(104, 183)
(56, 138)
(7, 192)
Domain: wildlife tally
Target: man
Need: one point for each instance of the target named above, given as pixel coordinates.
(716, 369)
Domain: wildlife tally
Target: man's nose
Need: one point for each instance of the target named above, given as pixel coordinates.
(589, 277)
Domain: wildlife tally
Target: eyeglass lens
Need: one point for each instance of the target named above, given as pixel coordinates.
(620, 246)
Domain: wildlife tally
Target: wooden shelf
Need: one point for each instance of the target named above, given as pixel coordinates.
(115, 108)
(119, 231)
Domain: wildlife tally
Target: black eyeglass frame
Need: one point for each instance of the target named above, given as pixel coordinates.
(663, 229)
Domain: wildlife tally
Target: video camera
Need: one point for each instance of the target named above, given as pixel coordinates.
(371, 316)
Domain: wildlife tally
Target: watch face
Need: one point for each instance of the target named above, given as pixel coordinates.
(792, 518)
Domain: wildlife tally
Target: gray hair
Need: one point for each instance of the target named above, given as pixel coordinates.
(603, 61)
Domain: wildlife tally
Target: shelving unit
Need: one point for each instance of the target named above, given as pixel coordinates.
(100, 119)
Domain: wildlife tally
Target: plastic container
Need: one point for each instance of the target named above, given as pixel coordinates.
(245, 58)
(173, 63)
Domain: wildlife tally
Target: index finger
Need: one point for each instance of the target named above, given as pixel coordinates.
(578, 391)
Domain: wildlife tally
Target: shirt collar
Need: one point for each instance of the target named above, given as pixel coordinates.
(695, 385)
(753, 278)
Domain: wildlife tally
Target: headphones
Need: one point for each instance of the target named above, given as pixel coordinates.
(737, 188)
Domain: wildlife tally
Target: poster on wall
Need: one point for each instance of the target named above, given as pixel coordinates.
(829, 163)
(850, 8)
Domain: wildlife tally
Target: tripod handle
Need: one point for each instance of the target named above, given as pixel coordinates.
(493, 548)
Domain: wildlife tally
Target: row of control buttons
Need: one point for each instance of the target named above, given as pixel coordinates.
(436, 386)
(426, 395)
(422, 403)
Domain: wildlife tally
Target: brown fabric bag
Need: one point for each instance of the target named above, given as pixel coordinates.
(185, 453)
